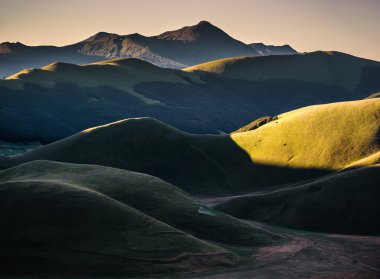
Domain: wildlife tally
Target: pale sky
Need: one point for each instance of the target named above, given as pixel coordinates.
(351, 26)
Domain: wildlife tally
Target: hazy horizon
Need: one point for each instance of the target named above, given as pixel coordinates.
(342, 25)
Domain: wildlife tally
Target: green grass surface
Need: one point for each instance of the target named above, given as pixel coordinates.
(122, 74)
(301, 144)
(328, 136)
(333, 68)
(345, 202)
(60, 218)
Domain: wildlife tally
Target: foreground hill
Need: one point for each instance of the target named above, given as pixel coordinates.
(331, 136)
(180, 48)
(301, 144)
(142, 224)
(345, 203)
(123, 224)
(61, 99)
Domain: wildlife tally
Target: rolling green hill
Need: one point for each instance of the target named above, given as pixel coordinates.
(300, 144)
(328, 67)
(122, 74)
(60, 218)
(330, 136)
(345, 202)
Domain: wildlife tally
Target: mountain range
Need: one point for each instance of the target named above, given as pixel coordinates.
(181, 48)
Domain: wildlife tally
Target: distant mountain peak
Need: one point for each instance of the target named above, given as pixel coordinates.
(205, 25)
(204, 22)
(99, 36)
(184, 47)
(8, 47)
(192, 33)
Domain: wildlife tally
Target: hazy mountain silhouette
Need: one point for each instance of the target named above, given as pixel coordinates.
(180, 48)
(263, 49)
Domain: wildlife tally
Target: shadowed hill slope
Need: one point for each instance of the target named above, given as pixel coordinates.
(122, 74)
(67, 219)
(345, 202)
(330, 68)
(61, 99)
(301, 144)
(15, 57)
(150, 195)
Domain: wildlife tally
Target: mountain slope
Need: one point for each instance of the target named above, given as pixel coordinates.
(301, 144)
(187, 46)
(64, 219)
(325, 136)
(143, 193)
(345, 202)
(15, 57)
(122, 74)
(61, 99)
(330, 68)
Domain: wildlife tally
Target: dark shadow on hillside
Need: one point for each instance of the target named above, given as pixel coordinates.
(369, 81)
(344, 203)
(264, 97)
(219, 105)
(199, 164)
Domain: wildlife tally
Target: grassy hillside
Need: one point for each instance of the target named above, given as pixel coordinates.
(328, 136)
(60, 218)
(144, 192)
(304, 143)
(345, 202)
(61, 99)
(122, 74)
(332, 68)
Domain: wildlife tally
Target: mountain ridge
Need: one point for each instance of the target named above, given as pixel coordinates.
(177, 49)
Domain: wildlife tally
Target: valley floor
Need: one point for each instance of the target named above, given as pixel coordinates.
(305, 255)
(311, 255)
(11, 149)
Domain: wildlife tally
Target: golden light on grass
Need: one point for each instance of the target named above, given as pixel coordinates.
(331, 136)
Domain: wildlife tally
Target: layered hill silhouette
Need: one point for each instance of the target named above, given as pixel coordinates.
(141, 225)
(298, 145)
(61, 99)
(187, 46)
